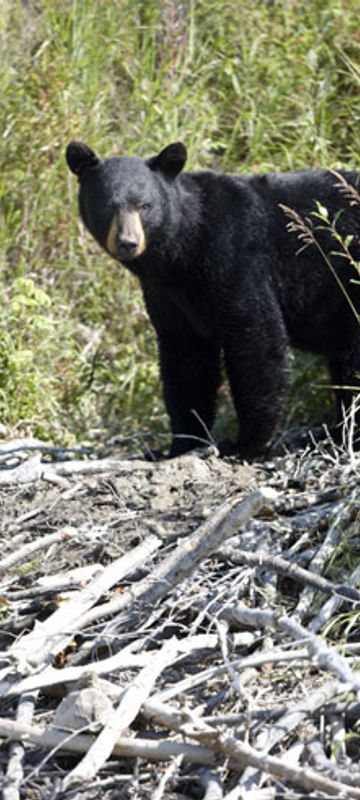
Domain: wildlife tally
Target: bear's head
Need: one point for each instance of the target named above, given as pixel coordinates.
(123, 201)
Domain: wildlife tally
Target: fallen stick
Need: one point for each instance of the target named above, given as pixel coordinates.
(316, 565)
(226, 521)
(303, 777)
(239, 753)
(332, 604)
(30, 444)
(212, 785)
(51, 636)
(188, 723)
(318, 760)
(124, 659)
(269, 793)
(50, 676)
(28, 550)
(323, 654)
(15, 770)
(95, 467)
(58, 583)
(287, 722)
(278, 564)
(168, 775)
(215, 743)
(34, 468)
(246, 662)
(50, 738)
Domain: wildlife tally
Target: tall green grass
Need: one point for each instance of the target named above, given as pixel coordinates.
(249, 85)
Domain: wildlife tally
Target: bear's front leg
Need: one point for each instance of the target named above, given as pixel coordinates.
(190, 370)
(255, 349)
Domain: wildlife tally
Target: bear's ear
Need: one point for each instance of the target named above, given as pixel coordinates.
(79, 156)
(170, 161)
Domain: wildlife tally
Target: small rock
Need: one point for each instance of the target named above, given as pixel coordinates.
(87, 707)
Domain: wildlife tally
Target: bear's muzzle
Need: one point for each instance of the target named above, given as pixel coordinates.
(126, 237)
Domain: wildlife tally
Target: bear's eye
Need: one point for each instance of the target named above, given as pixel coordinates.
(144, 206)
(115, 205)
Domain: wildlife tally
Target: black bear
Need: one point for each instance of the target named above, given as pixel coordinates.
(224, 277)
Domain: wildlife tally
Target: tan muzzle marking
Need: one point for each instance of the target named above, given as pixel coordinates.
(129, 225)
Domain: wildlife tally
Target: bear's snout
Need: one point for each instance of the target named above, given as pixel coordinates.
(126, 237)
(126, 245)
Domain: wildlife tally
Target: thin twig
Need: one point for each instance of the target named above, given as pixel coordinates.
(15, 769)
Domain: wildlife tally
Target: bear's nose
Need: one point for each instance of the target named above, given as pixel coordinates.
(127, 244)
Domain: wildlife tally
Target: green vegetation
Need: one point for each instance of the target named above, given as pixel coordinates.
(250, 85)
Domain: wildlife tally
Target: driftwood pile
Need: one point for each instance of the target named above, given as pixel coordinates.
(215, 658)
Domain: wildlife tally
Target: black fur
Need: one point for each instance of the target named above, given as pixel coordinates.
(222, 274)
